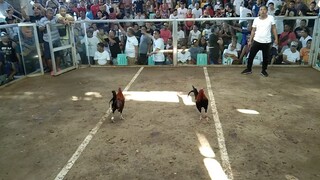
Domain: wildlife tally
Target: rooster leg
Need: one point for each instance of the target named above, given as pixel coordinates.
(121, 117)
(206, 117)
(112, 119)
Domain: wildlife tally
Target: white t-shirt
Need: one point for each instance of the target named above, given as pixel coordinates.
(184, 57)
(292, 57)
(92, 45)
(195, 35)
(102, 58)
(158, 44)
(243, 13)
(304, 40)
(173, 16)
(182, 13)
(130, 46)
(238, 46)
(237, 4)
(181, 35)
(263, 29)
(197, 12)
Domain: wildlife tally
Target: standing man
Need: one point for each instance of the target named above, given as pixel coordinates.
(261, 36)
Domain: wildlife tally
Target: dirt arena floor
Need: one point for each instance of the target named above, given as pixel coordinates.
(270, 125)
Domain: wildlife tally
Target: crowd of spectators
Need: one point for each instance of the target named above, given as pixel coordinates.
(224, 41)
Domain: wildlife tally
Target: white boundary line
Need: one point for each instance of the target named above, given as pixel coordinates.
(87, 140)
(222, 145)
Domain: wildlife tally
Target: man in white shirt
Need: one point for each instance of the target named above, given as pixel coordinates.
(261, 37)
(182, 11)
(131, 49)
(304, 37)
(101, 56)
(184, 55)
(158, 47)
(291, 55)
(197, 11)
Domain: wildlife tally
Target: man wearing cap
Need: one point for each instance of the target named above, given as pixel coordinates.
(260, 39)
(9, 59)
(291, 55)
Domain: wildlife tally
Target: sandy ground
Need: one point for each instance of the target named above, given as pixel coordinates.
(44, 120)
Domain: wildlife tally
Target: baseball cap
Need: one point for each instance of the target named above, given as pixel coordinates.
(294, 43)
(3, 34)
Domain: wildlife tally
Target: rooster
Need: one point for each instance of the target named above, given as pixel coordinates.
(201, 101)
(117, 103)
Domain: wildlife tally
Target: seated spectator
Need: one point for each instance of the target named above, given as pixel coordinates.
(286, 37)
(230, 54)
(312, 12)
(169, 55)
(194, 34)
(138, 16)
(165, 33)
(188, 24)
(304, 37)
(101, 56)
(181, 34)
(234, 41)
(194, 50)
(206, 31)
(184, 56)
(203, 43)
(303, 24)
(291, 55)
(304, 52)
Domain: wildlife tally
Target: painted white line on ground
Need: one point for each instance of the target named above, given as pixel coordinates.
(222, 145)
(87, 140)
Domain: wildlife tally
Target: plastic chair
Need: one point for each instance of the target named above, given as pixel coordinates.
(244, 60)
(202, 59)
(227, 61)
(122, 60)
(150, 61)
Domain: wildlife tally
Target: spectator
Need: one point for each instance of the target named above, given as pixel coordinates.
(215, 46)
(194, 50)
(297, 30)
(184, 55)
(101, 56)
(91, 42)
(206, 32)
(113, 42)
(197, 11)
(139, 16)
(53, 4)
(137, 31)
(131, 45)
(10, 59)
(158, 47)
(181, 34)
(4, 5)
(188, 24)
(291, 55)
(304, 37)
(286, 37)
(165, 33)
(304, 52)
(64, 19)
(52, 21)
(256, 8)
(291, 12)
(144, 47)
(194, 34)
(230, 53)
(203, 43)
(312, 12)
(182, 11)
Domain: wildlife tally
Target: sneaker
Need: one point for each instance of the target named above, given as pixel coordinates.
(246, 71)
(264, 73)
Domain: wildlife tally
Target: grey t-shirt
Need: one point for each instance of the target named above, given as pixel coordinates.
(145, 41)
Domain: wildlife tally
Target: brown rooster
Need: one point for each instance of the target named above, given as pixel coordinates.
(117, 103)
(201, 101)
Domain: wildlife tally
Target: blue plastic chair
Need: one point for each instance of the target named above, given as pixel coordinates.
(150, 61)
(227, 61)
(202, 59)
(122, 60)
